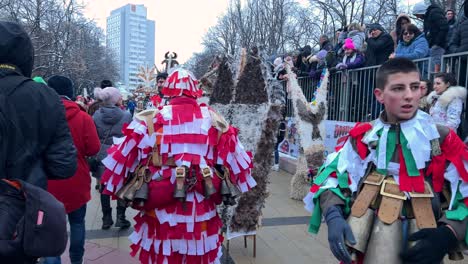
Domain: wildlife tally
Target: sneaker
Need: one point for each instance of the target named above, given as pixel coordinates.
(275, 167)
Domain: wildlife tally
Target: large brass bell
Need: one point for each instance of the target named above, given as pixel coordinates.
(179, 192)
(208, 182)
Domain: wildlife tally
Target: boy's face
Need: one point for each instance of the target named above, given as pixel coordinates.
(400, 96)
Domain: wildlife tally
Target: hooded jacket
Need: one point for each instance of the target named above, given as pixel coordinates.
(76, 191)
(446, 108)
(46, 147)
(418, 48)
(396, 33)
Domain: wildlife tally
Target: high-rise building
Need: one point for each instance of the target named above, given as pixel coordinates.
(130, 35)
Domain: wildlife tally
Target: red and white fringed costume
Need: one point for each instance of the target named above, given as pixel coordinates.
(187, 134)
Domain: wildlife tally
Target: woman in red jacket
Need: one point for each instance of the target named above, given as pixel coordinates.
(75, 192)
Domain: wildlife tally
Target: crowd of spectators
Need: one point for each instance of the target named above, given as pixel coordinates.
(356, 46)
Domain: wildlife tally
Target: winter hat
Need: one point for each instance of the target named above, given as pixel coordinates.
(321, 54)
(375, 26)
(349, 44)
(161, 75)
(16, 47)
(109, 95)
(181, 82)
(106, 83)
(62, 85)
(420, 8)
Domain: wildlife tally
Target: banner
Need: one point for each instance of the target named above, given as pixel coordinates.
(290, 144)
(334, 130)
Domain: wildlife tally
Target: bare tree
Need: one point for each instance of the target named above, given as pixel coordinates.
(65, 42)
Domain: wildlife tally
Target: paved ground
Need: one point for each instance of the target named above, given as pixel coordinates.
(283, 238)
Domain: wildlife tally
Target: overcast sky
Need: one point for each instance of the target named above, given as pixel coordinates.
(180, 24)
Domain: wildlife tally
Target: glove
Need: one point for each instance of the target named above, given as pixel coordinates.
(433, 245)
(341, 66)
(338, 231)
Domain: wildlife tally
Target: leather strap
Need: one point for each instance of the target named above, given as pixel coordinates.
(364, 199)
(422, 209)
(390, 207)
(368, 194)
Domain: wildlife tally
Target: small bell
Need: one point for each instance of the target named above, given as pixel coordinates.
(141, 195)
(225, 190)
(208, 182)
(179, 192)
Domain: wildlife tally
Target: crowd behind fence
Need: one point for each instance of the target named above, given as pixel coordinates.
(350, 93)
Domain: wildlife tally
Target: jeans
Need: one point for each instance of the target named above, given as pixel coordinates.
(436, 54)
(77, 238)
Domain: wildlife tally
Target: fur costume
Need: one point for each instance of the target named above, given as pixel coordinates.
(309, 117)
(257, 112)
(224, 86)
(446, 108)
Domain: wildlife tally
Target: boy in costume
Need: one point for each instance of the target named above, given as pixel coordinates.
(396, 191)
(182, 159)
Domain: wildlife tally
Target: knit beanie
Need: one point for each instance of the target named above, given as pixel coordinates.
(375, 26)
(106, 83)
(420, 8)
(321, 54)
(109, 95)
(16, 47)
(161, 75)
(62, 85)
(349, 44)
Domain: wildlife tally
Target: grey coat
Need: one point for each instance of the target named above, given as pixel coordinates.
(109, 122)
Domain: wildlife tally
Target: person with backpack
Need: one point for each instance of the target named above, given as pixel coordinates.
(109, 120)
(39, 147)
(75, 192)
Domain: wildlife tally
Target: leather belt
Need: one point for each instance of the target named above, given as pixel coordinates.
(422, 208)
(368, 194)
(392, 202)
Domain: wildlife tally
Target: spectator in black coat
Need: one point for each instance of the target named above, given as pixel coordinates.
(459, 41)
(452, 23)
(379, 45)
(435, 30)
(46, 149)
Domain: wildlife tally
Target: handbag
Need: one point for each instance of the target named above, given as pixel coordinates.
(94, 162)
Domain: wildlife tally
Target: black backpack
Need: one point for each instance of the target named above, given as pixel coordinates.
(41, 230)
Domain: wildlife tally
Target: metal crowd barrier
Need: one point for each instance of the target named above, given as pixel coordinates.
(350, 93)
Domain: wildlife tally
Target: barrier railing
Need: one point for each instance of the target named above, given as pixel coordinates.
(351, 93)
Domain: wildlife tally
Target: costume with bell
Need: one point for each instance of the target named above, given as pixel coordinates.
(175, 164)
(389, 181)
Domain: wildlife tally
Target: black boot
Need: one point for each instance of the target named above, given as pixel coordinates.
(107, 221)
(121, 221)
(106, 212)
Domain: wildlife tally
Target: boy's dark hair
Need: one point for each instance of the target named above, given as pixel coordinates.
(447, 78)
(393, 66)
(106, 83)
